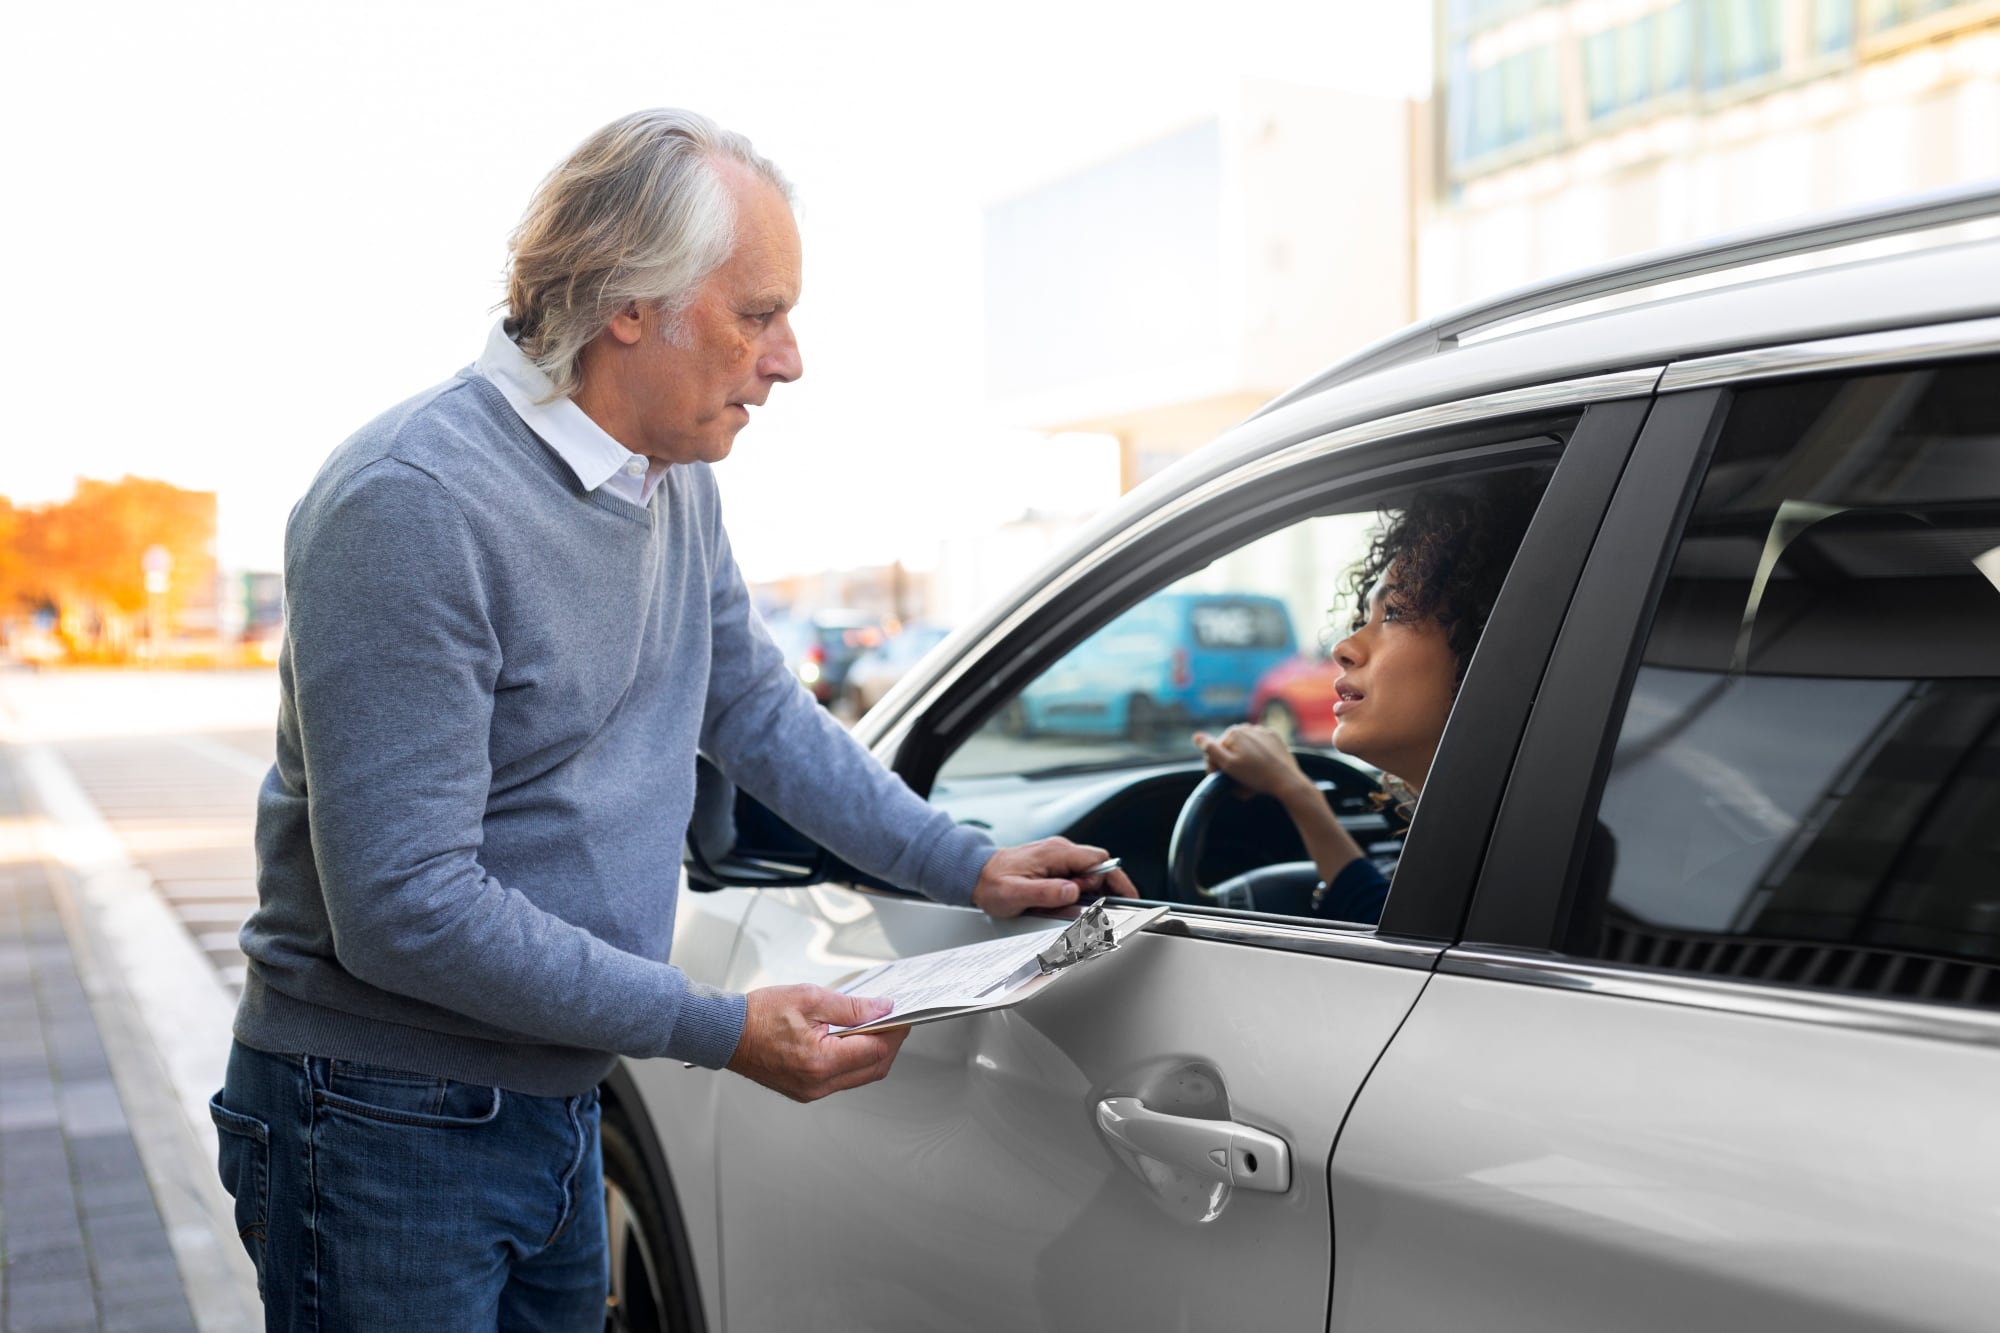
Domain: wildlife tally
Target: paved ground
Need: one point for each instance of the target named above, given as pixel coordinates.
(82, 1244)
(126, 805)
(184, 808)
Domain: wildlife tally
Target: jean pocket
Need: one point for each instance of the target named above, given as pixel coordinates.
(243, 1160)
(398, 1097)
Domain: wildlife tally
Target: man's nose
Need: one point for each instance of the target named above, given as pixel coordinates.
(782, 362)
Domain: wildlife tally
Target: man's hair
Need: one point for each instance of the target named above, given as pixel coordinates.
(1452, 546)
(637, 213)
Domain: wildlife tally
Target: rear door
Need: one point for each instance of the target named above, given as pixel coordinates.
(1722, 1046)
(978, 1186)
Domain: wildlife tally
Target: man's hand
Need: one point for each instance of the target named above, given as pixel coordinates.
(786, 1046)
(1043, 874)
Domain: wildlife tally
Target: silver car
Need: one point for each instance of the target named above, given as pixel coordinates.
(1684, 1008)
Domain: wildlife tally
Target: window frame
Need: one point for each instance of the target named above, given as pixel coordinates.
(1434, 886)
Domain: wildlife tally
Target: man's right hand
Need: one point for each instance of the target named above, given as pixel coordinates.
(786, 1046)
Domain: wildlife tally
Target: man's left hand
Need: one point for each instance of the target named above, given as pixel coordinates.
(1048, 873)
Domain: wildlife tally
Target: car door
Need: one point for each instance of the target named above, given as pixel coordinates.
(1721, 1048)
(978, 1185)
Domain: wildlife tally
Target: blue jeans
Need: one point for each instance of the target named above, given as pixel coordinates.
(372, 1198)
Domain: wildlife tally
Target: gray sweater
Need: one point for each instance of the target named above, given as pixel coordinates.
(494, 684)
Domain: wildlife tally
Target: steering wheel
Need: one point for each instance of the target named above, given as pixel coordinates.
(1285, 887)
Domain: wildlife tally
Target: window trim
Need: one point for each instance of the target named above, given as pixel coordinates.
(1749, 999)
(1885, 350)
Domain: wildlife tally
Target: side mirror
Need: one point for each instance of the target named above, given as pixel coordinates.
(733, 841)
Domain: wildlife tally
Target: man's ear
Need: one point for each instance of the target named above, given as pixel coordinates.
(627, 324)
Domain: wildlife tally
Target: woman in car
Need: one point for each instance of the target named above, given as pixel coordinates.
(1422, 596)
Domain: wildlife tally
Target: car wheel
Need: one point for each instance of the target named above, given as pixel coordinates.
(644, 1293)
(1281, 720)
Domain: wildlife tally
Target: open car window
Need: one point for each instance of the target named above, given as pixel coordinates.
(1098, 745)
(1242, 639)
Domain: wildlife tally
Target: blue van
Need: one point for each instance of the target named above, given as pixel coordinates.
(1175, 661)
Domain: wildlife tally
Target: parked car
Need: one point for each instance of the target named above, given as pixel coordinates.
(820, 647)
(1174, 661)
(1684, 1008)
(1296, 697)
(871, 674)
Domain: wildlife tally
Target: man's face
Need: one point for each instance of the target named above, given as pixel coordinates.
(686, 397)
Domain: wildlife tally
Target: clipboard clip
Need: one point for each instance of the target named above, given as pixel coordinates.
(1088, 936)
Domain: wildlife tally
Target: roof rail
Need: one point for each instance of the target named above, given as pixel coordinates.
(1820, 231)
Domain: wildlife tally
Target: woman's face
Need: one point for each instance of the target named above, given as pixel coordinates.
(1396, 685)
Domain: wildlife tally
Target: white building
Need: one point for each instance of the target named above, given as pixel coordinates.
(1163, 294)
(1574, 132)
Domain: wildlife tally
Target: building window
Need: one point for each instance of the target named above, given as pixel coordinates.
(1511, 102)
(1832, 26)
(1740, 41)
(1633, 63)
(1886, 14)
(1468, 16)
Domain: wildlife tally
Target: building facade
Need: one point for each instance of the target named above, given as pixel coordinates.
(1572, 132)
(1160, 296)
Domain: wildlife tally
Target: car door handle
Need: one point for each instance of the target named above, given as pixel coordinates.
(1219, 1149)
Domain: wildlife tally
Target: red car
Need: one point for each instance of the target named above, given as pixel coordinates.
(1296, 697)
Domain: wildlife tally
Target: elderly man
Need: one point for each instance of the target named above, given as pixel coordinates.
(514, 620)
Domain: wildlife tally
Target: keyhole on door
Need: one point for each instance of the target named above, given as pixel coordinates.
(1250, 1162)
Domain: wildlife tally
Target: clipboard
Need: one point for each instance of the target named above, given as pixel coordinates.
(993, 974)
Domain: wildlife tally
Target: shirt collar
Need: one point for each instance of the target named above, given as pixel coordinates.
(581, 443)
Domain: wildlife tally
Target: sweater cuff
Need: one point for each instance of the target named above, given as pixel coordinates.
(951, 868)
(708, 1026)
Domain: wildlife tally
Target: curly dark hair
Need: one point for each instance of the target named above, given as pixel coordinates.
(1452, 546)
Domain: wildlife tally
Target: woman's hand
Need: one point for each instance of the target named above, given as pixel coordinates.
(1258, 758)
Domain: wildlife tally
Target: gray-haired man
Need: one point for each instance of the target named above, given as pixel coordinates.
(514, 619)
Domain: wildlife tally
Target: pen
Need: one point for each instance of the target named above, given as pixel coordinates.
(1102, 868)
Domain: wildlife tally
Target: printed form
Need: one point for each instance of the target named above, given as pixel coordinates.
(974, 977)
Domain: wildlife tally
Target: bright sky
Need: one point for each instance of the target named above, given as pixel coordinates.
(240, 229)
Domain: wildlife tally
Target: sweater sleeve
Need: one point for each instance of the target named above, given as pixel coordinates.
(773, 740)
(393, 661)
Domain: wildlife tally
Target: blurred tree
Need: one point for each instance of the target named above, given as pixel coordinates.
(86, 554)
(13, 563)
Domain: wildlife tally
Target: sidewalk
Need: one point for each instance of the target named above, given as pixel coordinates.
(82, 1244)
(111, 1216)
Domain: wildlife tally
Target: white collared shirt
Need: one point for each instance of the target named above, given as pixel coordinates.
(595, 458)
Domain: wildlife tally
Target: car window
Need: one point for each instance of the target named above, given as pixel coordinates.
(1805, 787)
(1218, 646)
(1099, 745)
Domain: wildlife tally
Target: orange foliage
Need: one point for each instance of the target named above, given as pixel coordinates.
(85, 554)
